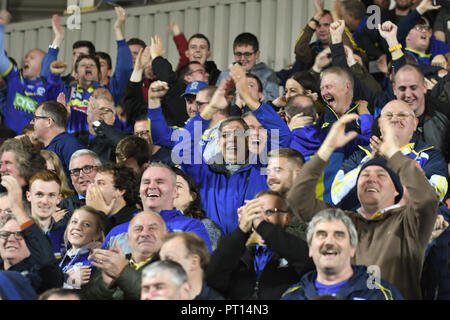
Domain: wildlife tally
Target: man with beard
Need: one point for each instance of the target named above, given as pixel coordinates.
(332, 241)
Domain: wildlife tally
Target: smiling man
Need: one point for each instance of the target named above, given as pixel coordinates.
(332, 241)
(402, 120)
(158, 192)
(119, 274)
(44, 195)
(397, 250)
(434, 124)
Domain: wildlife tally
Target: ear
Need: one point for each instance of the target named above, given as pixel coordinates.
(120, 193)
(260, 96)
(60, 198)
(185, 291)
(208, 55)
(28, 194)
(257, 54)
(109, 73)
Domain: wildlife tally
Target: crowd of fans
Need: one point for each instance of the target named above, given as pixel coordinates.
(153, 181)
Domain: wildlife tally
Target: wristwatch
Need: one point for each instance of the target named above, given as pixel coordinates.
(96, 123)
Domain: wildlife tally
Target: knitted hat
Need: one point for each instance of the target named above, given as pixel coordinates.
(394, 177)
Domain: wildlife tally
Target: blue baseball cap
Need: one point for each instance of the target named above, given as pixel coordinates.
(193, 87)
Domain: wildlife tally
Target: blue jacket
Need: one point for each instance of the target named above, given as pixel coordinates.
(431, 160)
(24, 96)
(78, 96)
(363, 127)
(307, 139)
(356, 288)
(175, 221)
(436, 46)
(223, 193)
(116, 84)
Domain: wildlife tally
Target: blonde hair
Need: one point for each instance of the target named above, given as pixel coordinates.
(66, 191)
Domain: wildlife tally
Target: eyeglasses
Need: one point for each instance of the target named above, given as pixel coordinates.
(400, 115)
(5, 211)
(105, 110)
(35, 117)
(245, 54)
(85, 169)
(422, 28)
(199, 104)
(269, 212)
(142, 133)
(5, 235)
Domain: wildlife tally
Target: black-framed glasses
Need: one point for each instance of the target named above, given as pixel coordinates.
(199, 104)
(5, 234)
(269, 212)
(142, 133)
(35, 117)
(422, 28)
(86, 169)
(243, 54)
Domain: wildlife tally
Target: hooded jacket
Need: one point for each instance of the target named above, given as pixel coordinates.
(361, 286)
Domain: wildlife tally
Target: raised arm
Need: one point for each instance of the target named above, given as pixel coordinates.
(302, 197)
(52, 54)
(5, 63)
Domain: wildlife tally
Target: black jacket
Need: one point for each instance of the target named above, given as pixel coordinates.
(41, 266)
(105, 142)
(173, 104)
(231, 269)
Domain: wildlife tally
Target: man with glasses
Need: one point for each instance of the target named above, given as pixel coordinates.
(23, 245)
(393, 230)
(159, 153)
(256, 260)
(404, 123)
(416, 34)
(50, 122)
(82, 168)
(246, 53)
(169, 137)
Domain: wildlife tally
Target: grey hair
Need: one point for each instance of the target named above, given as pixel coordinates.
(83, 152)
(176, 272)
(163, 165)
(329, 215)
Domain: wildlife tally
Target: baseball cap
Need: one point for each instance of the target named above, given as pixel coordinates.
(193, 87)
